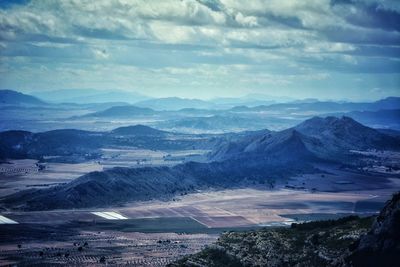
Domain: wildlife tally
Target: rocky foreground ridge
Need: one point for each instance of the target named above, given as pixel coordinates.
(346, 242)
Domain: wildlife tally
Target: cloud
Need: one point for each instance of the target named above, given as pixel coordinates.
(176, 39)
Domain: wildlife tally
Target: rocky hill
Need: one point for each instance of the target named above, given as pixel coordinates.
(381, 245)
(345, 242)
(329, 138)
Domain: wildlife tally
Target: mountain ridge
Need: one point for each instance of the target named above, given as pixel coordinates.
(250, 160)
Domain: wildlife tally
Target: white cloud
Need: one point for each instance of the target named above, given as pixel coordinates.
(148, 43)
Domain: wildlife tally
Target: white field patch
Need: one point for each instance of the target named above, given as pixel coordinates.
(5, 220)
(110, 215)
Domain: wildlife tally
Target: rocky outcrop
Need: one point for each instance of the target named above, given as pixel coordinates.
(381, 246)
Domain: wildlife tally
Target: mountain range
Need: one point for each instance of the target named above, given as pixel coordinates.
(253, 158)
(10, 97)
(329, 138)
(84, 96)
(82, 145)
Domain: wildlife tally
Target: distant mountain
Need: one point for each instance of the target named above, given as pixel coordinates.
(383, 118)
(320, 107)
(175, 103)
(216, 123)
(84, 96)
(138, 130)
(77, 145)
(23, 144)
(10, 97)
(123, 111)
(387, 103)
(328, 138)
(229, 102)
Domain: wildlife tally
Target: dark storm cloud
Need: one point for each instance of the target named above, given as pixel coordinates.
(369, 15)
(361, 36)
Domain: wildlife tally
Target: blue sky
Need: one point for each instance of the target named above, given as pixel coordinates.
(328, 49)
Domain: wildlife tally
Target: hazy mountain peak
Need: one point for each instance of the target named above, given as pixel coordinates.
(318, 125)
(175, 103)
(138, 129)
(10, 97)
(122, 111)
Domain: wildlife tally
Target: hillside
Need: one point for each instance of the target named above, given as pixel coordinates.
(344, 242)
(381, 245)
(105, 188)
(122, 111)
(138, 130)
(9, 97)
(327, 138)
(120, 185)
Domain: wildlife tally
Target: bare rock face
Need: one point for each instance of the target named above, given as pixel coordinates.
(381, 246)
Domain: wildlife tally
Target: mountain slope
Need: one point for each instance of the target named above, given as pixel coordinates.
(138, 130)
(105, 188)
(120, 185)
(123, 111)
(327, 138)
(9, 97)
(383, 118)
(381, 245)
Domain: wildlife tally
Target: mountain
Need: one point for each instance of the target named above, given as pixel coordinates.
(123, 111)
(383, 118)
(387, 103)
(10, 97)
(249, 100)
(215, 123)
(175, 103)
(252, 159)
(23, 144)
(120, 185)
(84, 96)
(329, 138)
(346, 242)
(321, 107)
(76, 145)
(138, 130)
(110, 187)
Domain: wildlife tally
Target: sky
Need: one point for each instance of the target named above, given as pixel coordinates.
(327, 49)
